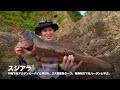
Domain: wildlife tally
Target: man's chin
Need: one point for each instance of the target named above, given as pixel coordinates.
(48, 39)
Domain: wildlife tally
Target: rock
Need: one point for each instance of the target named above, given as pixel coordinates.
(98, 34)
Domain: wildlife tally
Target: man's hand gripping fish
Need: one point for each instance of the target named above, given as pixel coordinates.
(38, 48)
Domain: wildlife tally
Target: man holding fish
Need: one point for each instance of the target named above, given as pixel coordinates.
(45, 30)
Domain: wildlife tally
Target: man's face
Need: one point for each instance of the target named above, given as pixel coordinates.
(47, 34)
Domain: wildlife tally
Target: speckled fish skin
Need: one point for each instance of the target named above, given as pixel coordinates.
(51, 49)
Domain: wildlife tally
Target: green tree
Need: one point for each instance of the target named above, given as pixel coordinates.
(75, 15)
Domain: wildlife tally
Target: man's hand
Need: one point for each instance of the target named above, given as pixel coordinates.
(68, 63)
(19, 51)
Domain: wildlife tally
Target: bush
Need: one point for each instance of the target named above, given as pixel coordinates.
(28, 25)
(59, 20)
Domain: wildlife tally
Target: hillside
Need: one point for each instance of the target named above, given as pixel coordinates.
(12, 21)
(98, 34)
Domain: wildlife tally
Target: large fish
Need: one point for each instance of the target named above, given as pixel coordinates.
(42, 50)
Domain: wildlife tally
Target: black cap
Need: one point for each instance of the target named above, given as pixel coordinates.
(45, 23)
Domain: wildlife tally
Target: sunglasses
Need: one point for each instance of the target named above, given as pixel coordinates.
(45, 21)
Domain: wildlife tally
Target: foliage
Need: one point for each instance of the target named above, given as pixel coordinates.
(59, 20)
(21, 19)
(29, 19)
(75, 15)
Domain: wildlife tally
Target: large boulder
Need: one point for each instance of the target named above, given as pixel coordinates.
(98, 34)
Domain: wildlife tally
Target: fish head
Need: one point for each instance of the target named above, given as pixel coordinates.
(25, 38)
